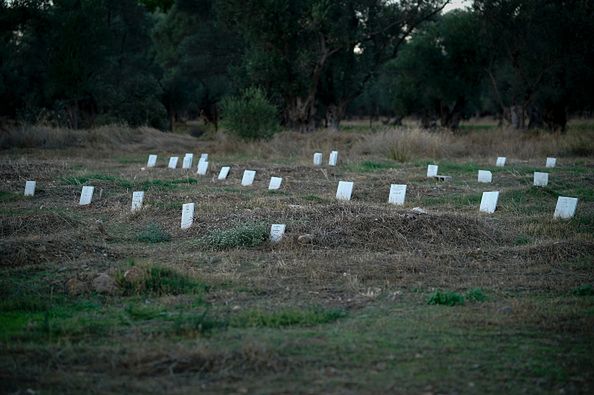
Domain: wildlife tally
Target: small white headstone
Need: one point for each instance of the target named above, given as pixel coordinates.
(317, 159)
(277, 232)
(485, 176)
(551, 162)
(202, 167)
(187, 215)
(224, 172)
(489, 202)
(187, 162)
(248, 177)
(397, 194)
(432, 170)
(86, 195)
(500, 161)
(152, 161)
(29, 188)
(204, 157)
(172, 162)
(137, 198)
(541, 179)
(333, 158)
(344, 191)
(565, 208)
(275, 183)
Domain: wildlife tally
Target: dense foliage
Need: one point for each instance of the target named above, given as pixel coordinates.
(79, 63)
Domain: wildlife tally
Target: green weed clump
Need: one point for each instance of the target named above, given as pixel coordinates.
(288, 317)
(247, 235)
(158, 281)
(476, 295)
(446, 298)
(154, 233)
(584, 290)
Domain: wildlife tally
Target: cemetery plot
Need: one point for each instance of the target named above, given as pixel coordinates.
(29, 188)
(489, 202)
(432, 170)
(172, 162)
(565, 208)
(541, 179)
(137, 198)
(86, 195)
(202, 167)
(224, 173)
(275, 183)
(333, 158)
(248, 177)
(277, 232)
(397, 194)
(344, 190)
(187, 162)
(551, 162)
(500, 161)
(317, 159)
(152, 161)
(187, 215)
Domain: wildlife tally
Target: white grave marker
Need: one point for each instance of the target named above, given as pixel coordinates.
(565, 208)
(344, 191)
(541, 179)
(551, 162)
(277, 232)
(152, 161)
(489, 202)
(187, 162)
(224, 172)
(248, 177)
(30, 188)
(397, 194)
(172, 162)
(187, 215)
(275, 183)
(86, 195)
(204, 157)
(500, 161)
(317, 159)
(432, 170)
(137, 198)
(202, 167)
(333, 158)
(485, 176)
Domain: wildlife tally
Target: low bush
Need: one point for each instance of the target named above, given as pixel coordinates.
(153, 233)
(251, 115)
(446, 298)
(247, 235)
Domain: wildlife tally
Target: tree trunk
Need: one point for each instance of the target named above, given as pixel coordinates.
(334, 115)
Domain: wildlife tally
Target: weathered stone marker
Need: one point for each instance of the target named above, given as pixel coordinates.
(202, 167)
(204, 157)
(500, 161)
(344, 190)
(187, 215)
(30, 188)
(489, 202)
(541, 179)
(172, 162)
(485, 176)
(277, 232)
(248, 177)
(224, 173)
(333, 160)
(397, 194)
(137, 198)
(565, 208)
(551, 162)
(86, 195)
(187, 162)
(317, 159)
(432, 170)
(152, 161)
(275, 183)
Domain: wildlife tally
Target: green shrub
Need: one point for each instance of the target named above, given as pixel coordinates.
(158, 281)
(154, 233)
(584, 290)
(251, 115)
(247, 235)
(476, 295)
(446, 298)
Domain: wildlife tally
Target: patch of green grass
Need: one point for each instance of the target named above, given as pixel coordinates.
(313, 198)
(159, 281)
(583, 290)
(245, 235)
(521, 240)
(446, 298)
(371, 166)
(166, 184)
(456, 200)
(476, 295)
(153, 233)
(201, 323)
(6, 196)
(84, 179)
(286, 317)
(448, 168)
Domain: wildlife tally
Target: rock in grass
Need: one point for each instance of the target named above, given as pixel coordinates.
(104, 284)
(75, 287)
(305, 239)
(135, 275)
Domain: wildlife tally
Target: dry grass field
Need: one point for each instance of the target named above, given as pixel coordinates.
(359, 297)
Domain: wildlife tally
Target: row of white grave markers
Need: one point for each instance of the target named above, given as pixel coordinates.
(186, 161)
(566, 206)
(550, 162)
(332, 160)
(540, 179)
